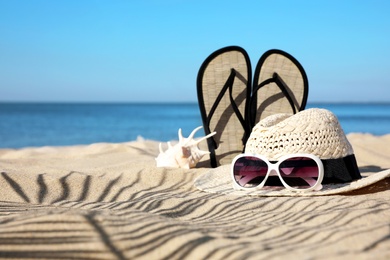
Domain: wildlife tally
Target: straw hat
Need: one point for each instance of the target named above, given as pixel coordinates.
(314, 131)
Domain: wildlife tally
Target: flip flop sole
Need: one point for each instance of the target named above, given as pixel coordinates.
(215, 101)
(270, 99)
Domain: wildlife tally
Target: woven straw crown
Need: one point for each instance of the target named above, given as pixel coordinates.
(314, 131)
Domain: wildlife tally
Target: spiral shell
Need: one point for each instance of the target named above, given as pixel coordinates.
(185, 154)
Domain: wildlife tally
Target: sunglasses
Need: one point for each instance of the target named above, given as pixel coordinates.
(297, 172)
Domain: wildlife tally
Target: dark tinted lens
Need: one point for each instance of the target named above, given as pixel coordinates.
(299, 172)
(249, 171)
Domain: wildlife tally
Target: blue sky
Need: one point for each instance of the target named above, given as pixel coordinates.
(139, 50)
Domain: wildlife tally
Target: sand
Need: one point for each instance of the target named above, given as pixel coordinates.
(110, 201)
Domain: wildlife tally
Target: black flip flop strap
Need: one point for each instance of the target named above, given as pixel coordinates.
(281, 84)
(283, 87)
(228, 85)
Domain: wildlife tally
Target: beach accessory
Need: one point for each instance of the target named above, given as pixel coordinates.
(297, 172)
(280, 85)
(184, 154)
(224, 87)
(230, 105)
(313, 131)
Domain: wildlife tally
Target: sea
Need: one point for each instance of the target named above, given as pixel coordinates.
(64, 124)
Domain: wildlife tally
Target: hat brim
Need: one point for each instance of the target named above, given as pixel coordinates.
(218, 180)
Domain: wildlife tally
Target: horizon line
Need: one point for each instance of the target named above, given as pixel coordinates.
(167, 102)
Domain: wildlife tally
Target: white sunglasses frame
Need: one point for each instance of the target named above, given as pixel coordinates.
(274, 167)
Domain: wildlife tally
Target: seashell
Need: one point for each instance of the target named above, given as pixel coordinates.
(185, 154)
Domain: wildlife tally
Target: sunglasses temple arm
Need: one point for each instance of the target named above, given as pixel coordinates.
(312, 182)
(247, 178)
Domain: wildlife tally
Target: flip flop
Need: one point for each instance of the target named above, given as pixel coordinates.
(224, 86)
(280, 85)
